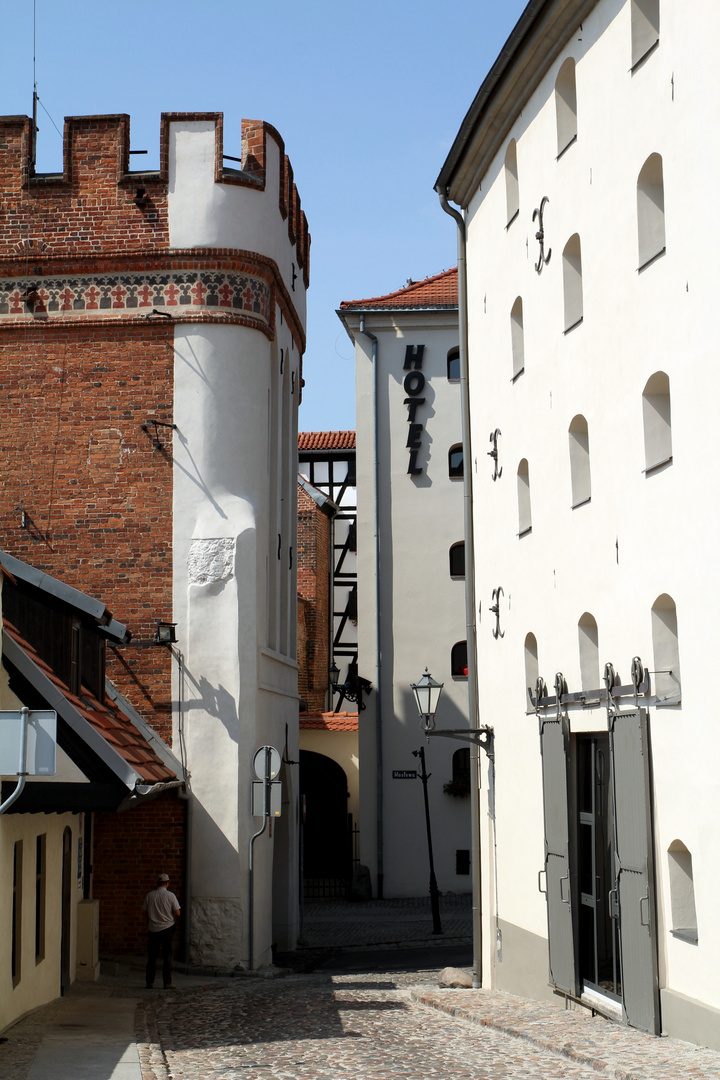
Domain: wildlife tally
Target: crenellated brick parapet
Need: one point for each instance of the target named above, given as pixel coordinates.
(96, 207)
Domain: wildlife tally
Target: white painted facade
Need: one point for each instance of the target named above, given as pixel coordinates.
(609, 558)
(422, 613)
(234, 537)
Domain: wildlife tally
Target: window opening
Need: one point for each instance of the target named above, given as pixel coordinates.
(666, 654)
(588, 649)
(579, 460)
(682, 892)
(457, 560)
(453, 365)
(650, 211)
(531, 669)
(517, 336)
(512, 189)
(657, 426)
(16, 930)
(566, 106)
(455, 461)
(40, 889)
(572, 283)
(523, 494)
(458, 660)
(645, 28)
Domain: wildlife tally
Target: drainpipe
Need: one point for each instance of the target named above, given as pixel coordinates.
(378, 651)
(469, 588)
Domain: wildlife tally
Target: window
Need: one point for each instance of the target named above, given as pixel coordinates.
(531, 669)
(645, 28)
(457, 560)
(572, 283)
(588, 649)
(657, 426)
(579, 460)
(458, 660)
(523, 494)
(462, 861)
(512, 190)
(453, 365)
(566, 106)
(682, 892)
(455, 461)
(517, 337)
(650, 211)
(16, 930)
(40, 887)
(666, 655)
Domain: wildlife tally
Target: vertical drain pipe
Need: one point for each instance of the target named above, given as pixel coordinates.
(469, 588)
(378, 650)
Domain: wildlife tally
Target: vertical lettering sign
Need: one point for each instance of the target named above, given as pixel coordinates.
(414, 384)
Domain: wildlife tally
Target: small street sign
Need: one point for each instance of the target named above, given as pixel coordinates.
(259, 763)
(404, 774)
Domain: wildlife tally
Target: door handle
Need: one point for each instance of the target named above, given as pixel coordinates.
(644, 899)
(540, 888)
(566, 878)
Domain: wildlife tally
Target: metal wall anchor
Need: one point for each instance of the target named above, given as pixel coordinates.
(494, 452)
(495, 608)
(540, 235)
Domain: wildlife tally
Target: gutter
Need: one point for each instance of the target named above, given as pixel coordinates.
(471, 629)
(378, 649)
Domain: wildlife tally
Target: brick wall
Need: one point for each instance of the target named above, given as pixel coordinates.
(130, 850)
(313, 584)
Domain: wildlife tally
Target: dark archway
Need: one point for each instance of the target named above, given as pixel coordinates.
(327, 827)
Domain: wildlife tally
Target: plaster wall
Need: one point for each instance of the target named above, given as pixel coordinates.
(422, 612)
(640, 535)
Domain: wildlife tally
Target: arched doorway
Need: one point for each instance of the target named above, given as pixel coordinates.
(327, 826)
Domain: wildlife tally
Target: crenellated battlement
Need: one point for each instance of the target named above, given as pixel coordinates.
(96, 206)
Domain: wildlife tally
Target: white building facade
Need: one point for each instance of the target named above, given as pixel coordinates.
(584, 173)
(410, 565)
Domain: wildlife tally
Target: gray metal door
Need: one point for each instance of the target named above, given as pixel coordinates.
(554, 741)
(634, 884)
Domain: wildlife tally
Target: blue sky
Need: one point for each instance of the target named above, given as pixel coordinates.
(368, 99)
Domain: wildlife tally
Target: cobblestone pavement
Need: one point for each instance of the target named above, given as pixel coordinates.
(402, 923)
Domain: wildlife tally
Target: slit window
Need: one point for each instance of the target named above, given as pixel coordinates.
(566, 106)
(682, 892)
(517, 337)
(458, 660)
(16, 928)
(457, 560)
(650, 211)
(531, 669)
(588, 650)
(666, 654)
(657, 427)
(579, 460)
(645, 28)
(455, 462)
(512, 189)
(572, 282)
(523, 495)
(453, 365)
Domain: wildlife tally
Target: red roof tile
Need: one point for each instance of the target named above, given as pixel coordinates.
(107, 720)
(329, 721)
(326, 440)
(440, 291)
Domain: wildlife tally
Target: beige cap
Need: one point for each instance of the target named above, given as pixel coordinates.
(162, 877)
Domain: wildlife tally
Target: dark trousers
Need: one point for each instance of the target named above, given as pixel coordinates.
(160, 941)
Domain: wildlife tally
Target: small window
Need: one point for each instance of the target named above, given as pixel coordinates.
(579, 460)
(40, 889)
(461, 766)
(457, 560)
(16, 928)
(650, 211)
(531, 669)
(645, 28)
(523, 495)
(666, 654)
(512, 190)
(572, 283)
(657, 426)
(455, 461)
(453, 365)
(682, 892)
(517, 337)
(458, 660)
(589, 654)
(566, 106)
(462, 861)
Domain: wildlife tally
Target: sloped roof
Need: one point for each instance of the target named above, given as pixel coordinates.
(319, 497)
(122, 738)
(326, 440)
(329, 721)
(440, 291)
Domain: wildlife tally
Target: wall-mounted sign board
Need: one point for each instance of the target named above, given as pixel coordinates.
(41, 741)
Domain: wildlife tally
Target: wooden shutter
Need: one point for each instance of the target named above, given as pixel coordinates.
(554, 742)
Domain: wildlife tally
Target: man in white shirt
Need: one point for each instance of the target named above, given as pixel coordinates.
(162, 910)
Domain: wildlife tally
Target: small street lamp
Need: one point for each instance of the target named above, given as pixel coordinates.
(427, 694)
(354, 688)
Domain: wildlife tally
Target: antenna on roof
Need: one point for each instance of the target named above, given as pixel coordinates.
(33, 149)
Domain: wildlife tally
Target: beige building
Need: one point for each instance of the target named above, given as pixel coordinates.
(585, 174)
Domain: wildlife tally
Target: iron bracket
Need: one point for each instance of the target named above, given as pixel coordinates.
(543, 258)
(495, 608)
(484, 737)
(494, 453)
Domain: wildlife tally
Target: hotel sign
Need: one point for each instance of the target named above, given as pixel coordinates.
(414, 385)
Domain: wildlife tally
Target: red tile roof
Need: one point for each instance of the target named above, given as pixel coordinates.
(440, 291)
(329, 721)
(112, 724)
(326, 440)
